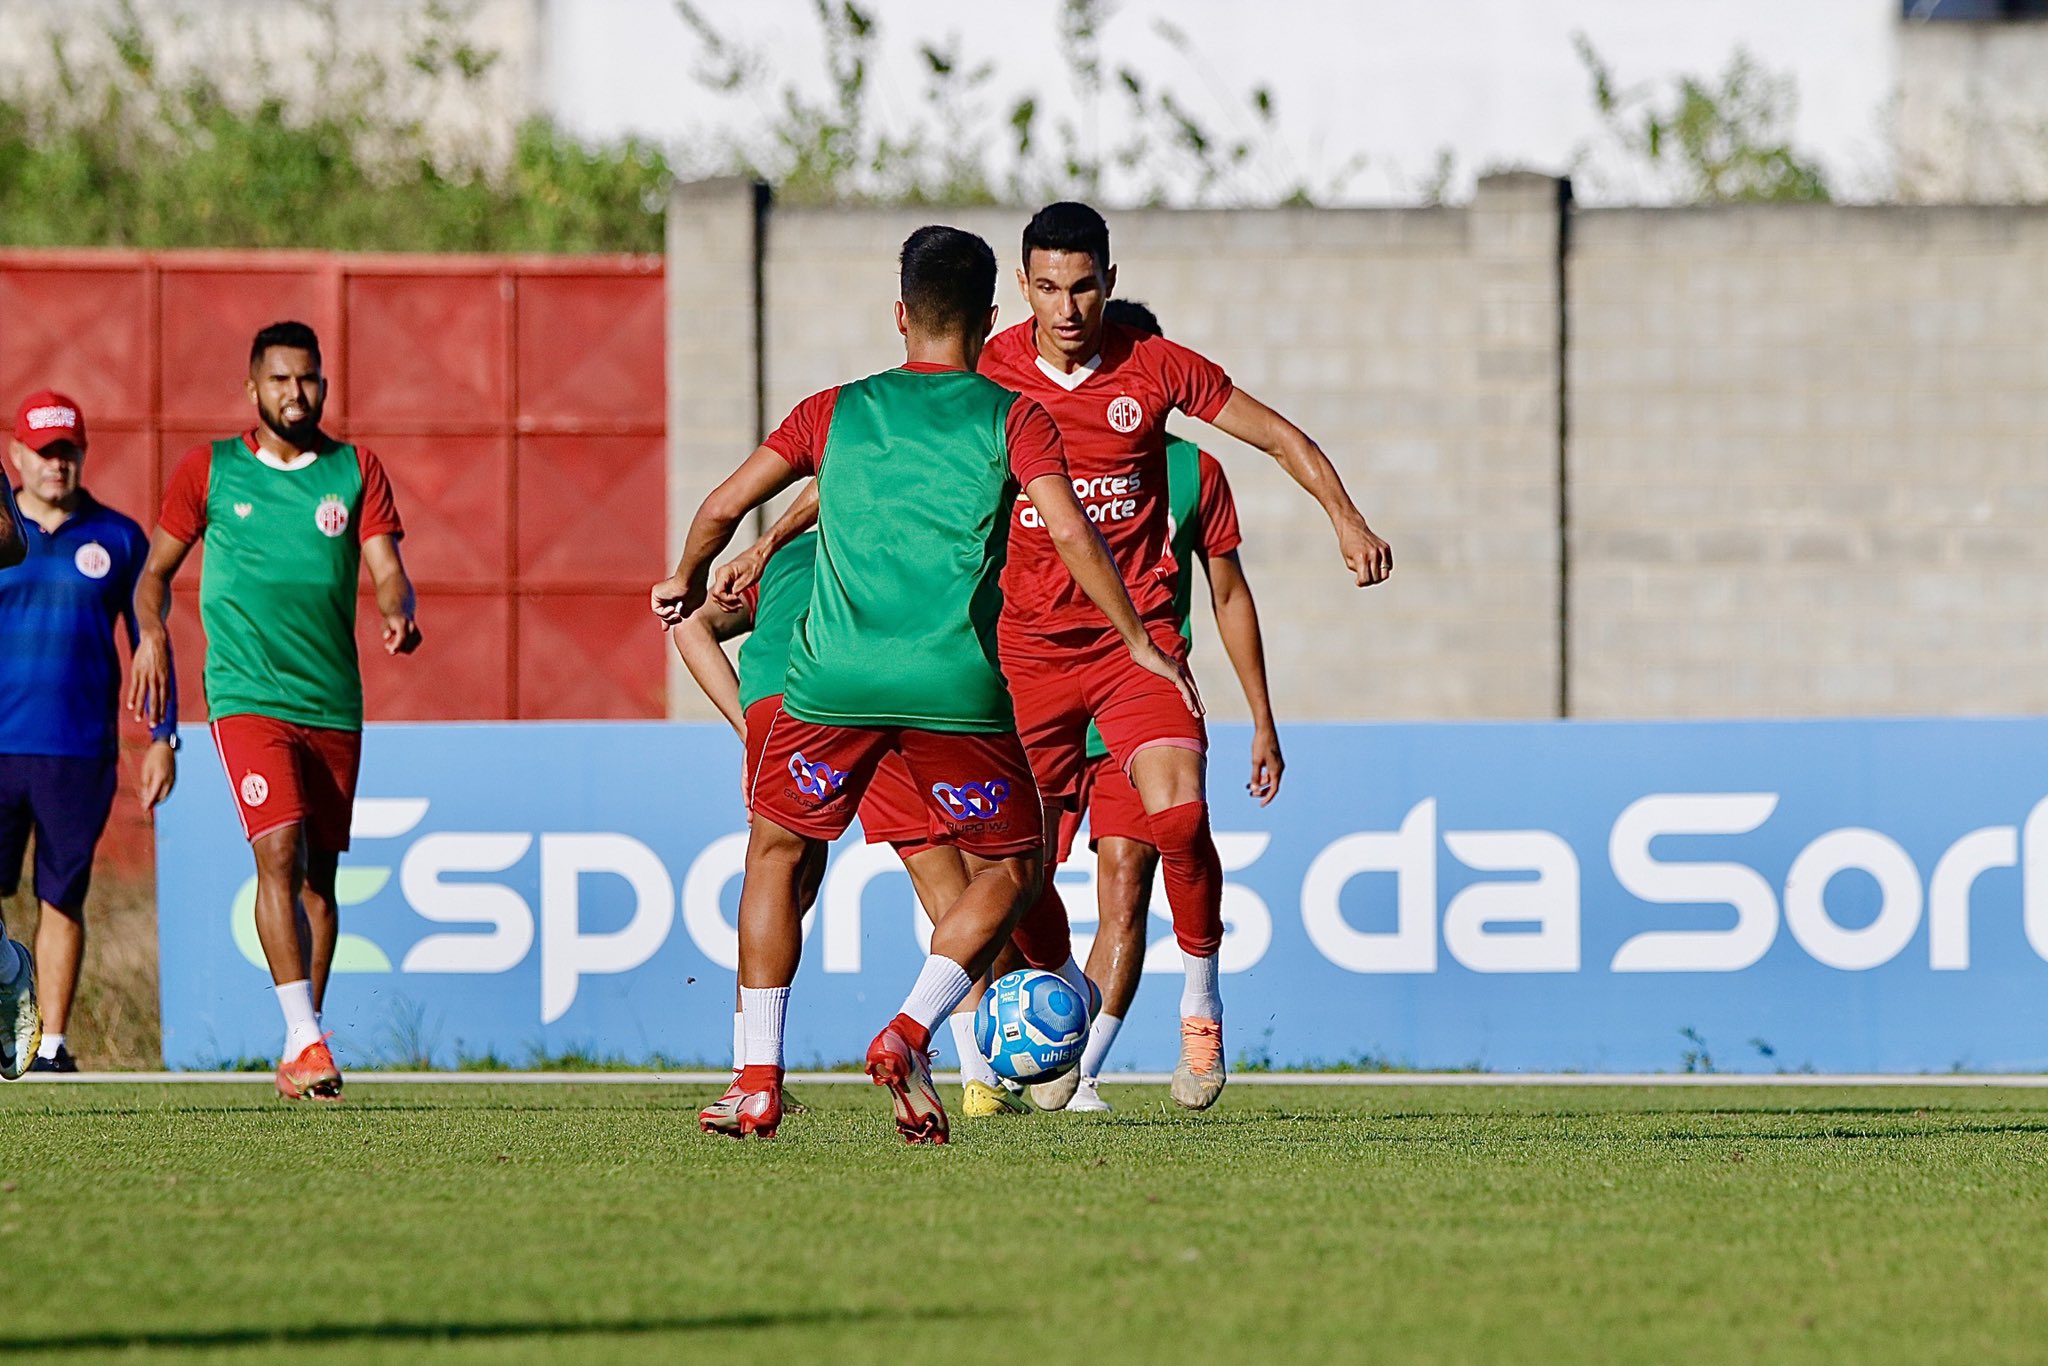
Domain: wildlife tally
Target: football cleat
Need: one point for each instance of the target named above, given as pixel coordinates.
(1199, 1078)
(311, 1074)
(741, 1113)
(980, 1101)
(21, 1024)
(60, 1061)
(907, 1072)
(1088, 1100)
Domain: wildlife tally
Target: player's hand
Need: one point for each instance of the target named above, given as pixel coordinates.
(1267, 765)
(731, 580)
(149, 678)
(674, 601)
(159, 774)
(401, 633)
(1152, 659)
(1365, 554)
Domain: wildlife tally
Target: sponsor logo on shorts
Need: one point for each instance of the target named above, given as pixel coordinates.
(255, 789)
(819, 780)
(1125, 413)
(331, 516)
(972, 801)
(93, 561)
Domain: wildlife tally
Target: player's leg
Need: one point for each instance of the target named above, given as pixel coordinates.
(982, 789)
(321, 920)
(20, 1022)
(1161, 746)
(71, 798)
(329, 762)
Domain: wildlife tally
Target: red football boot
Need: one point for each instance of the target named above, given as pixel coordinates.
(898, 1063)
(750, 1107)
(311, 1074)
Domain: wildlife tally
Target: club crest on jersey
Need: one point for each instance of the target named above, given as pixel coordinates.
(93, 561)
(972, 801)
(818, 780)
(331, 516)
(255, 789)
(1125, 414)
(244, 509)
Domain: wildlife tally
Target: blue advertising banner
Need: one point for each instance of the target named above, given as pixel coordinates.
(1741, 896)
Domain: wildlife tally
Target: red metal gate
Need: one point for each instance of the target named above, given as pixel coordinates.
(518, 403)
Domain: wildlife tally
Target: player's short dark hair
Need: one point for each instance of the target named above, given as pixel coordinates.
(292, 335)
(949, 279)
(1134, 315)
(1068, 226)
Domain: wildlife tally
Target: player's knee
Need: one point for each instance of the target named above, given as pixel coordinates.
(278, 858)
(1182, 831)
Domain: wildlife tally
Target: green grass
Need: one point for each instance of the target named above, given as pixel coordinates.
(548, 1223)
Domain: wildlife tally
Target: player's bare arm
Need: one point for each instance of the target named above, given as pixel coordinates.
(1080, 547)
(1253, 423)
(760, 477)
(149, 673)
(13, 541)
(1237, 623)
(698, 639)
(731, 580)
(396, 602)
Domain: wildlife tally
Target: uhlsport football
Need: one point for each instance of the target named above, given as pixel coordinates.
(1031, 1026)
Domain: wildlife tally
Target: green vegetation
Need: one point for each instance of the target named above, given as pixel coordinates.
(546, 1223)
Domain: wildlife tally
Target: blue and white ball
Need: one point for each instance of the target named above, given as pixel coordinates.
(1031, 1026)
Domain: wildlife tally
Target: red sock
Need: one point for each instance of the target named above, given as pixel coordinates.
(1194, 875)
(919, 1037)
(759, 1076)
(1043, 936)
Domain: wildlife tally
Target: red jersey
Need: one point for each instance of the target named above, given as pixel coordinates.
(1111, 415)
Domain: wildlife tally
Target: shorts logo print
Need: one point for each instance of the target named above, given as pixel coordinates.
(255, 789)
(1125, 413)
(972, 801)
(93, 560)
(819, 780)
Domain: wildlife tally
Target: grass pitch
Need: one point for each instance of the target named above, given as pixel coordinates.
(550, 1223)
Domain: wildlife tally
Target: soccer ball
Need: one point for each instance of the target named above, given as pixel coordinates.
(1031, 1026)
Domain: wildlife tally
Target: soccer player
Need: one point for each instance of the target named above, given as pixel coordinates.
(1110, 388)
(60, 694)
(290, 516)
(1204, 531)
(916, 470)
(891, 813)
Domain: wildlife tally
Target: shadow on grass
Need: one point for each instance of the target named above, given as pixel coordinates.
(403, 1331)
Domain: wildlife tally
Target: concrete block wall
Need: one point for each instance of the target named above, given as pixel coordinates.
(1806, 461)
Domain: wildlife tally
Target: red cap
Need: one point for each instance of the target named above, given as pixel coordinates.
(46, 417)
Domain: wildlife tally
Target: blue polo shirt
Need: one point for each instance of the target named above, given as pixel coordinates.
(60, 670)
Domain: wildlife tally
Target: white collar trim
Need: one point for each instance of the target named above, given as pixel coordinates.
(297, 462)
(1070, 380)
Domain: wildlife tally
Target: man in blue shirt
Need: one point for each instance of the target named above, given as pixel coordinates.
(60, 688)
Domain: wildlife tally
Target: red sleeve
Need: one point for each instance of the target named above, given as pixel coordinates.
(1216, 511)
(1035, 449)
(1195, 384)
(380, 510)
(184, 510)
(801, 438)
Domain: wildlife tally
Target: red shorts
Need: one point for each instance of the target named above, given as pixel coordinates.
(812, 778)
(1058, 692)
(1114, 809)
(890, 811)
(284, 774)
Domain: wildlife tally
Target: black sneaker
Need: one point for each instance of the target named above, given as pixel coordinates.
(63, 1062)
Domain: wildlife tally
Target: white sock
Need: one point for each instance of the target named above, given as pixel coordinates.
(739, 1039)
(301, 1025)
(941, 985)
(1199, 997)
(51, 1043)
(12, 960)
(973, 1066)
(764, 1009)
(1100, 1036)
(1070, 973)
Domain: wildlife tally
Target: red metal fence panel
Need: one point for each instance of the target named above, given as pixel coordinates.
(518, 403)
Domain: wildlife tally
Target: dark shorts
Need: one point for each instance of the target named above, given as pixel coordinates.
(64, 801)
(977, 789)
(286, 774)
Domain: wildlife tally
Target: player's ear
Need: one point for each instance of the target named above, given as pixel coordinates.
(990, 325)
(1109, 282)
(1023, 284)
(249, 384)
(902, 320)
